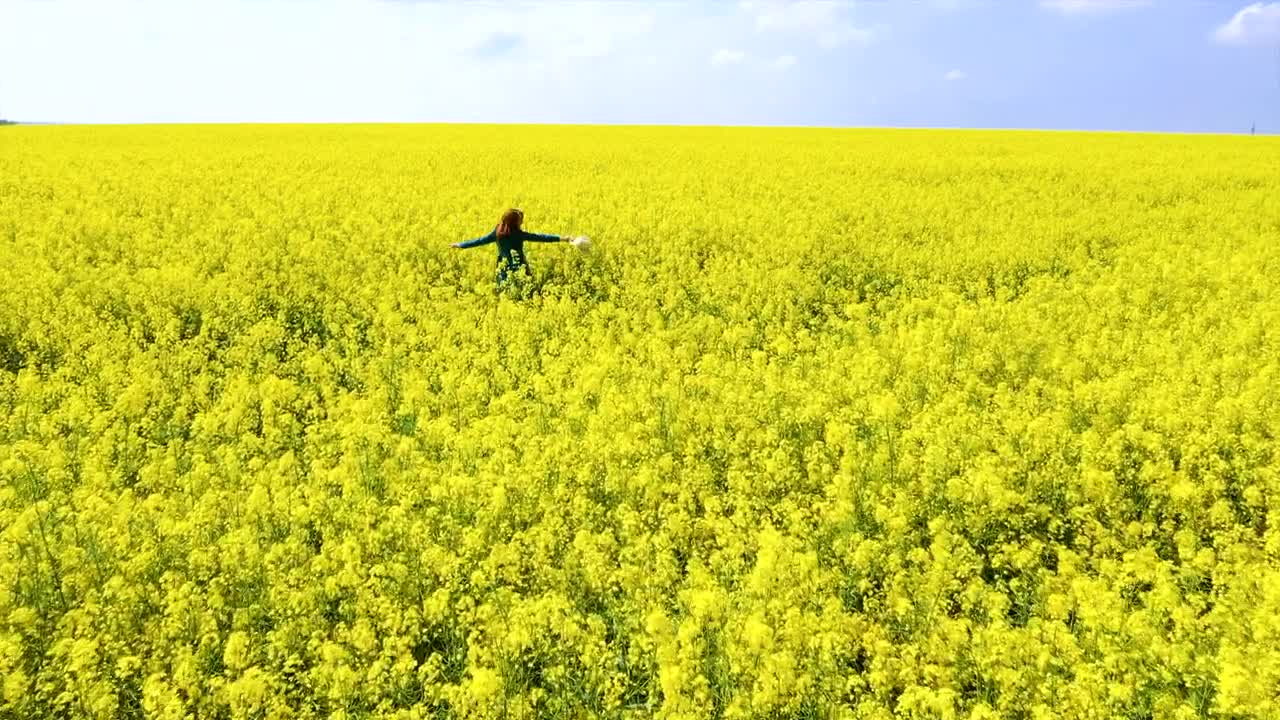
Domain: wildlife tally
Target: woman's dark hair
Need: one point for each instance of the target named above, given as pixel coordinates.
(510, 222)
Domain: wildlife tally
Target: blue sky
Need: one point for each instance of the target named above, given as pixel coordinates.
(1162, 65)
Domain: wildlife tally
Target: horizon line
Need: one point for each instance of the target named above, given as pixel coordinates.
(949, 128)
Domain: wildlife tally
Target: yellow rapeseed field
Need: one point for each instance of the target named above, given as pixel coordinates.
(829, 424)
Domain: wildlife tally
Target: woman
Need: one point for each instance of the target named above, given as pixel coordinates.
(510, 238)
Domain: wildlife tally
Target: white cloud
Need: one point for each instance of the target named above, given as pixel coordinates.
(323, 60)
(955, 75)
(1256, 23)
(784, 61)
(727, 57)
(555, 31)
(1092, 7)
(844, 34)
(826, 22)
(958, 5)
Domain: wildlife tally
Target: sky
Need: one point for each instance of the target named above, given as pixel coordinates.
(1146, 65)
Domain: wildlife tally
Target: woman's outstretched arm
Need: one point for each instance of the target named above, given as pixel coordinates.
(536, 237)
(477, 242)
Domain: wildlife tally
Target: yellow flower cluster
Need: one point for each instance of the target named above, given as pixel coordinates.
(841, 424)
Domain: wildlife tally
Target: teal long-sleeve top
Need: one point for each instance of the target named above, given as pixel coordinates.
(511, 247)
